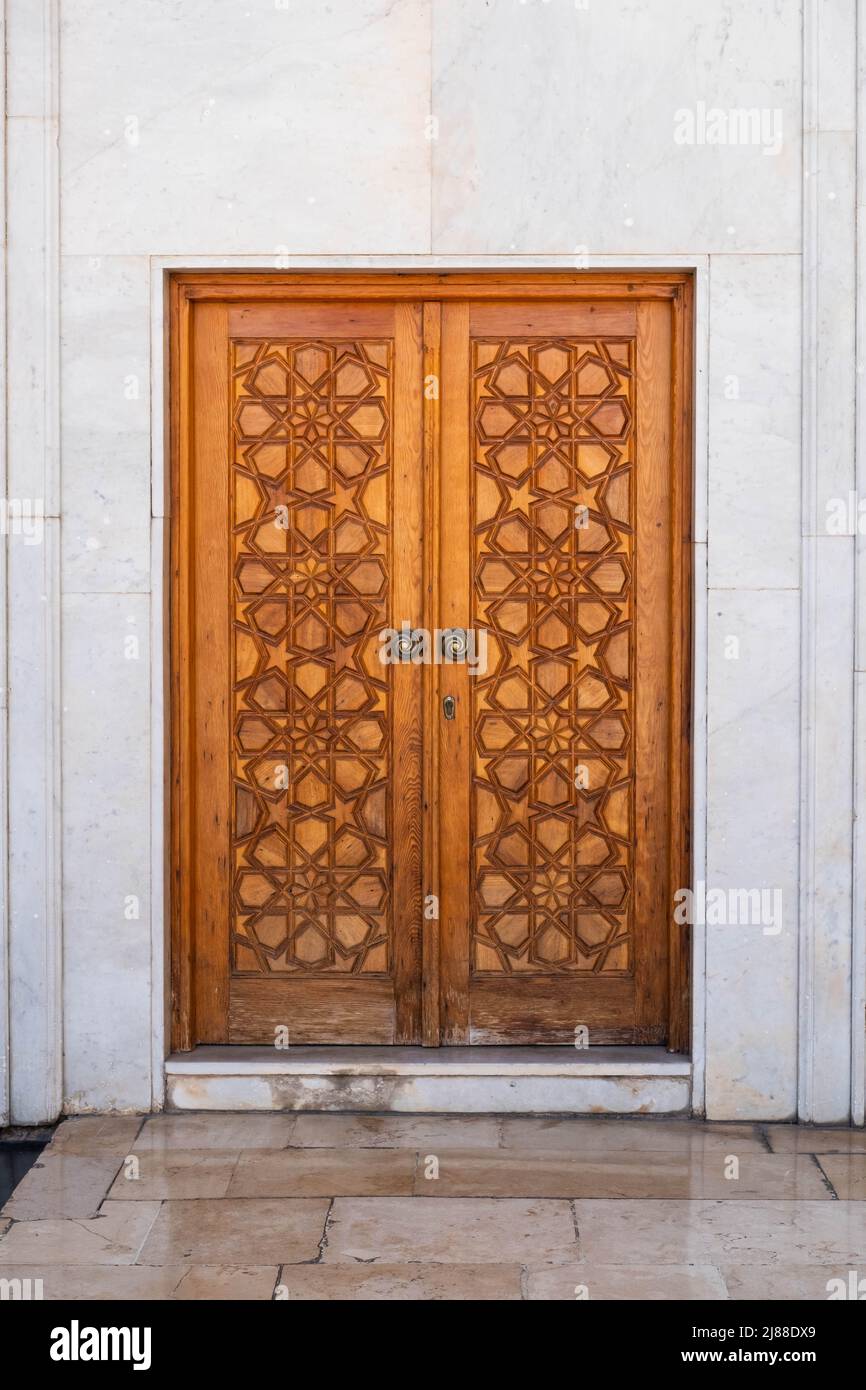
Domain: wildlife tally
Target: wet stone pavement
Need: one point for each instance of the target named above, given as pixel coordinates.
(325, 1206)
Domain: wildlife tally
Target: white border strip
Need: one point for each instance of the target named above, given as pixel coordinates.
(858, 941)
(808, 578)
(160, 266)
(33, 604)
(4, 635)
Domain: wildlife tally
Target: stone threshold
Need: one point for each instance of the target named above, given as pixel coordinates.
(418, 1080)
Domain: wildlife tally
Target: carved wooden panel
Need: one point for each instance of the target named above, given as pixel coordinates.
(453, 852)
(311, 571)
(553, 779)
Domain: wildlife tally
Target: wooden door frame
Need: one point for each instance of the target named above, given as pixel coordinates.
(185, 289)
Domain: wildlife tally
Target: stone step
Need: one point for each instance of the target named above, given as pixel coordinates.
(418, 1080)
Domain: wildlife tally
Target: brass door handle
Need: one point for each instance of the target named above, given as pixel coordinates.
(454, 644)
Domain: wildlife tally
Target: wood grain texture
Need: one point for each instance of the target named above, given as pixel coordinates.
(301, 906)
(208, 568)
(655, 679)
(314, 1011)
(557, 869)
(430, 975)
(265, 287)
(342, 318)
(554, 525)
(547, 320)
(455, 735)
(304, 521)
(180, 652)
(407, 784)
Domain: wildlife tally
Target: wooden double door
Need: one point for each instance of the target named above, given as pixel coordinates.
(429, 658)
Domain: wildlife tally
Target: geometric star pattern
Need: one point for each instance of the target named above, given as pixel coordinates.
(553, 777)
(311, 483)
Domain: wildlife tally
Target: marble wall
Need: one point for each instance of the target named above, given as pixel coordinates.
(477, 132)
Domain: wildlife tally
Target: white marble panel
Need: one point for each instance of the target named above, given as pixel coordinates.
(34, 763)
(754, 422)
(835, 53)
(557, 126)
(105, 424)
(106, 851)
(26, 37)
(833, 351)
(826, 1028)
(213, 127)
(31, 337)
(752, 844)
(829, 930)
(700, 656)
(32, 350)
